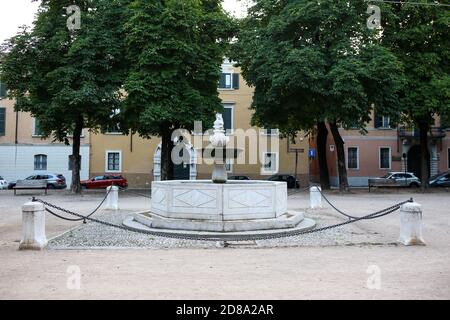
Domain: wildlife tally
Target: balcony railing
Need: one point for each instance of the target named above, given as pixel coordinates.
(435, 132)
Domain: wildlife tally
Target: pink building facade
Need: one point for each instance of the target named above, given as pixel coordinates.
(383, 149)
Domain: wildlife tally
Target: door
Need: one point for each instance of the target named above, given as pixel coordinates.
(182, 171)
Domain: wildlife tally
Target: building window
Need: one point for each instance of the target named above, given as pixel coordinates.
(37, 131)
(353, 158)
(229, 165)
(40, 162)
(115, 128)
(2, 90)
(2, 121)
(113, 161)
(71, 159)
(385, 158)
(229, 81)
(228, 120)
(382, 122)
(270, 164)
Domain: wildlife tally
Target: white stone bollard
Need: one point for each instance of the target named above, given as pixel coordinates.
(315, 197)
(33, 227)
(411, 224)
(112, 201)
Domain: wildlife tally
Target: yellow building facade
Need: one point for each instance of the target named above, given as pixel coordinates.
(138, 159)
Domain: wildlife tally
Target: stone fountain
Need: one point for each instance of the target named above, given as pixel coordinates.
(218, 206)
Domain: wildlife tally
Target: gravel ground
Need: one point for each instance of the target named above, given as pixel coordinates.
(95, 235)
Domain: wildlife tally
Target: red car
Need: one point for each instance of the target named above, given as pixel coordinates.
(102, 182)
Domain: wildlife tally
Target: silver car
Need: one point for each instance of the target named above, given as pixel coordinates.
(402, 179)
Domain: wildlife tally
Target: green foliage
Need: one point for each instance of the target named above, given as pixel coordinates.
(418, 36)
(311, 61)
(65, 77)
(175, 49)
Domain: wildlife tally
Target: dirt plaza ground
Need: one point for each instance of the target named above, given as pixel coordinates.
(317, 269)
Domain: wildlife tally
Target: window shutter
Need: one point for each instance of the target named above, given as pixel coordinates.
(2, 90)
(2, 121)
(222, 81)
(227, 118)
(236, 81)
(377, 121)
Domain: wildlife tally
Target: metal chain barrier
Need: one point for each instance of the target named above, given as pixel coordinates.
(369, 217)
(84, 218)
(237, 238)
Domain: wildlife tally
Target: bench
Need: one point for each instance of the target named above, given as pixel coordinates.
(30, 185)
(382, 183)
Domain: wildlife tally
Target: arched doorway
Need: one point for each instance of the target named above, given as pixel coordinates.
(184, 171)
(415, 161)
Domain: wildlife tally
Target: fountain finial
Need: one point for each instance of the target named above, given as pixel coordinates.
(219, 139)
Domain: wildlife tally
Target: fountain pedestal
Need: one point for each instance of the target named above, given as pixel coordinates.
(219, 174)
(237, 206)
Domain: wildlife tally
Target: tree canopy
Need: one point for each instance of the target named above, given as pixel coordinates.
(312, 61)
(418, 36)
(68, 79)
(176, 49)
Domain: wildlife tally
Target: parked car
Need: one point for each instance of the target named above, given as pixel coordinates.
(54, 180)
(241, 178)
(292, 182)
(3, 183)
(440, 180)
(401, 179)
(102, 182)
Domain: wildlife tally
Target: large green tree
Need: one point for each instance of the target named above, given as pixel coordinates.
(317, 61)
(418, 36)
(175, 49)
(68, 79)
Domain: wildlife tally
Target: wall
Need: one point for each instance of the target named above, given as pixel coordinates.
(17, 159)
(17, 162)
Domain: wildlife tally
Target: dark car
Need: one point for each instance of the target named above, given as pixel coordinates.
(54, 180)
(440, 180)
(290, 179)
(102, 182)
(241, 178)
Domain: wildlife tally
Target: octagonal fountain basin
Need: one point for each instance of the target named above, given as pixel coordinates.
(235, 206)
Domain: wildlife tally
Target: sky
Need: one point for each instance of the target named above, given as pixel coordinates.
(15, 13)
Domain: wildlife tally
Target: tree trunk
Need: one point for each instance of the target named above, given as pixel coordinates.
(166, 155)
(322, 134)
(76, 158)
(424, 127)
(342, 169)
